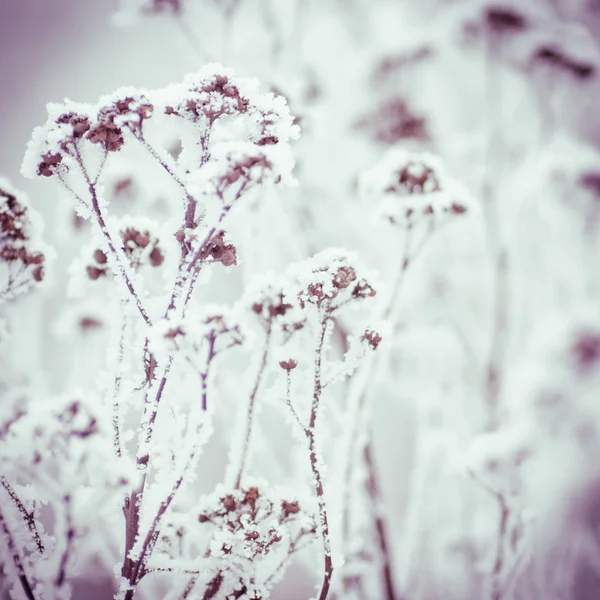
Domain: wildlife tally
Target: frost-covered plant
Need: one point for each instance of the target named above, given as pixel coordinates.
(272, 411)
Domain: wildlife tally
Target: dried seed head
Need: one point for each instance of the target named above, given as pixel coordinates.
(94, 273)
(413, 185)
(100, 257)
(129, 113)
(16, 245)
(329, 277)
(49, 163)
(220, 251)
(372, 338)
(288, 365)
(141, 247)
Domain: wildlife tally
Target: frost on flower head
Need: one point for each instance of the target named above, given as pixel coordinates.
(245, 132)
(215, 92)
(56, 146)
(140, 243)
(20, 249)
(413, 185)
(267, 300)
(230, 137)
(329, 279)
(253, 529)
(68, 434)
(125, 109)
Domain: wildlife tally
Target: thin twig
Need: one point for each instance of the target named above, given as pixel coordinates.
(17, 562)
(70, 537)
(314, 462)
(28, 516)
(251, 405)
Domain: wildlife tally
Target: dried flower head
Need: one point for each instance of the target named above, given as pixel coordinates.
(328, 280)
(116, 114)
(20, 251)
(54, 147)
(288, 365)
(251, 525)
(413, 185)
(73, 430)
(372, 338)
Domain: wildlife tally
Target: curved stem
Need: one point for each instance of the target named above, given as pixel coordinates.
(314, 462)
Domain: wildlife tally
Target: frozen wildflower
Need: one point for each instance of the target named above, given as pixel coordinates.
(254, 525)
(138, 243)
(241, 132)
(126, 109)
(215, 92)
(69, 433)
(20, 248)
(275, 311)
(413, 185)
(54, 146)
(371, 338)
(329, 279)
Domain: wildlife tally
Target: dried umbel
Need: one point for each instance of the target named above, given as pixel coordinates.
(329, 280)
(124, 111)
(252, 524)
(69, 435)
(209, 99)
(411, 186)
(372, 338)
(141, 247)
(138, 244)
(214, 92)
(19, 249)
